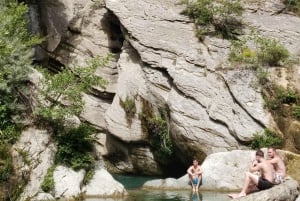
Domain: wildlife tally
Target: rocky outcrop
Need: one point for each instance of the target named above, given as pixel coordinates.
(225, 171)
(208, 112)
(287, 191)
(33, 154)
(68, 184)
(108, 187)
(210, 108)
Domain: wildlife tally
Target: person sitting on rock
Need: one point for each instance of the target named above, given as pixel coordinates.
(195, 175)
(253, 182)
(278, 164)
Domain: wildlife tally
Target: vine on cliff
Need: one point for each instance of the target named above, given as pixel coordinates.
(155, 124)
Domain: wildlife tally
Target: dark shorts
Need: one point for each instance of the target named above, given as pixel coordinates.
(264, 184)
(195, 181)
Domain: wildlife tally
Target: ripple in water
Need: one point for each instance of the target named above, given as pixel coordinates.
(133, 184)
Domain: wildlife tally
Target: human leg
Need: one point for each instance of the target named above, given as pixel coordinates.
(198, 182)
(250, 180)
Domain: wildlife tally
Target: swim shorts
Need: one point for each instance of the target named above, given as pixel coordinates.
(264, 184)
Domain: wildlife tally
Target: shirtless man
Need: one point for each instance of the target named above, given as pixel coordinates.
(254, 182)
(278, 164)
(195, 174)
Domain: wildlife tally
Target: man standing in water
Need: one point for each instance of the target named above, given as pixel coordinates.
(195, 175)
(254, 182)
(278, 164)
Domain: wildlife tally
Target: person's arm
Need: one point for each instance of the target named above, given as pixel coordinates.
(254, 166)
(199, 170)
(273, 161)
(189, 171)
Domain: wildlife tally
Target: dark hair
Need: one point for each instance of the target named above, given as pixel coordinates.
(259, 153)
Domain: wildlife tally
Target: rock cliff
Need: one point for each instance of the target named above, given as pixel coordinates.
(158, 62)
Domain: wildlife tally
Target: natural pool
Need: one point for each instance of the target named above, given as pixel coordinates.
(135, 193)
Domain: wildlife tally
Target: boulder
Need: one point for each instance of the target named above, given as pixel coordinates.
(67, 182)
(168, 184)
(43, 197)
(225, 171)
(103, 185)
(33, 154)
(287, 191)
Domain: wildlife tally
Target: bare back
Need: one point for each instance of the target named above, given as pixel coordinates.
(267, 170)
(278, 166)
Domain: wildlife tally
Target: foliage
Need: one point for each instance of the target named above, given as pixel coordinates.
(48, 182)
(258, 51)
(160, 138)
(129, 107)
(296, 112)
(282, 96)
(61, 93)
(215, 17)
(15, 57)
(266, 139)
(25, 156)
(293, 5)
(6, 166)
(15, 64)
(271, 52)
(75, 147)
(157, 128)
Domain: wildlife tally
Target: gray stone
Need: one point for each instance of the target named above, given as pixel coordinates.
(287, 191)
(43, 197)
(33, 154)
(131, 84)
(103, 185)
(94, 111)
(67, 182)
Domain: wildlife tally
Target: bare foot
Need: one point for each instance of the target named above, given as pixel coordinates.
(235, 195)
(194, 190)
(241, 195)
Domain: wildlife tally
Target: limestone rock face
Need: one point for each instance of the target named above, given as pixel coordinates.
(67, 182)
(208, 112)
(33, 154)
(130, 85)
(103, 184)
(158, 59)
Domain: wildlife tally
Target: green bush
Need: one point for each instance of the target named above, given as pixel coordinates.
(266, 139)
(159, 136)
(48, 182)
(61, 94)
(296, 112)
(221, 17)
(263, 52)
(75, 147)
(293, 5)
(271, 52)
(157, 129)
(281, 96)
(6, 164)
(129, 107)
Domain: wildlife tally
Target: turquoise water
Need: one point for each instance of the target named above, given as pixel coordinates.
(135, 193)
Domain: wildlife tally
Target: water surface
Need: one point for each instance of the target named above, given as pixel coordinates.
(135, 193)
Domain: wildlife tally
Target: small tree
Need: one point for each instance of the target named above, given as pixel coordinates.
(61, 93)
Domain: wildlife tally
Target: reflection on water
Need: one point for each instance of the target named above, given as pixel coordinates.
(155, 195)
(135, 193)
